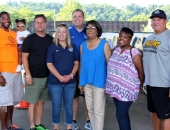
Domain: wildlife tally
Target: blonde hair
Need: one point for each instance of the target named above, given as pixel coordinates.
(68, 39)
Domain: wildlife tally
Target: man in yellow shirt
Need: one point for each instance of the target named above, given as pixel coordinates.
(10, 82)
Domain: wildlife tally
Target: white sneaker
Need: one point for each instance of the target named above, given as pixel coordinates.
(74, 126)
(19, 68)
(88, 126)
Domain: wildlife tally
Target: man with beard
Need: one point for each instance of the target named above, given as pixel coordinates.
(10, 82)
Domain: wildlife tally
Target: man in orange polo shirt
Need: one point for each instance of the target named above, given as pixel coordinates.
(10, 82)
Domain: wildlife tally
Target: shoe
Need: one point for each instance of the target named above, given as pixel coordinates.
(33, 128)
(88, 126)
(19, 68)
(74, 126)
(13, 127)
(40, 127)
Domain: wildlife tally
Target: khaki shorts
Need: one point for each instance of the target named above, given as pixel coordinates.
(38, 91)
(13, 90)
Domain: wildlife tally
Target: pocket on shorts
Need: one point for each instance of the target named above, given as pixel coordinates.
(5, 94)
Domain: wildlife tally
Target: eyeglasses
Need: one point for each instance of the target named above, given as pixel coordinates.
(92, 28)
(22, 25)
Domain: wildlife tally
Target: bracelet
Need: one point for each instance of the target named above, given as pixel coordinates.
(28, 75)
(72, 75)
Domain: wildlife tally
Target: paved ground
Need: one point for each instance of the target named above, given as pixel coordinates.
(140, 117)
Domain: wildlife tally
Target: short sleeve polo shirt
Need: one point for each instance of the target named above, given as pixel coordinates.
(77, 38)
(63, 61)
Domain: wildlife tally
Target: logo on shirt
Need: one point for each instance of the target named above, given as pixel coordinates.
(11, 39)
(57, 50)
(85, 36)
(70, 49)
(152, 44)
(72, 36)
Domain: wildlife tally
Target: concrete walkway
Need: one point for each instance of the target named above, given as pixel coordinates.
(140, 117)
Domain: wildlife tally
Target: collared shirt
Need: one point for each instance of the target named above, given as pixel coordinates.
(63, 61)
(77, 37)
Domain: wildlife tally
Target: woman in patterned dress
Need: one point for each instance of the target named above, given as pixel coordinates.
(125, 76)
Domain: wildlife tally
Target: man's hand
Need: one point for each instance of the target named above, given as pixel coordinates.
(29, 80)
(22, 38)
(2, 81)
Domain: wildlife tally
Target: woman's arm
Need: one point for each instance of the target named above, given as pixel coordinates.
(137, 60)
(107, 51)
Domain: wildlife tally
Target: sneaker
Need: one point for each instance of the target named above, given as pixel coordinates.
(40, 127)
(33, 128)
(19, 68)
(13, 127)
(88, 126)
(74, 126)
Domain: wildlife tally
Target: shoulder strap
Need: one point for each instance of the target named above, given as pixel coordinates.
(131, 51)
(114, 49)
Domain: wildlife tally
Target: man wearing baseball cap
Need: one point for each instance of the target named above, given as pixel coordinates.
(156, 57)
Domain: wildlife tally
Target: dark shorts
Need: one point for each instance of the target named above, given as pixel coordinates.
(77, 92)
(158, 101)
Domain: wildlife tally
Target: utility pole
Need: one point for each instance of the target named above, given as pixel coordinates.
(54, 21)
(158, 5)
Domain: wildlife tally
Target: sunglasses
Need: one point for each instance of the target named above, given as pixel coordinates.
(22, 25)
(62, 24)
(92, 28)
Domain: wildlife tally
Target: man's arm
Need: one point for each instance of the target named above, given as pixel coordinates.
(25, 62)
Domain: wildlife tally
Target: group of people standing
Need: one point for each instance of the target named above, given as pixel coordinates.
(78, 62)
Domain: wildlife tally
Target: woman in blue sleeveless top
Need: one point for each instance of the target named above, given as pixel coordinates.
(95, 53)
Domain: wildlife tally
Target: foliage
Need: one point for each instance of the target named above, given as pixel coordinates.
(100, 12)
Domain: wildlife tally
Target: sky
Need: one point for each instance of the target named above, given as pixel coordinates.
(117, 4)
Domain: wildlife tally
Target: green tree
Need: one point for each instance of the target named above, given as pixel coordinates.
(139, 17)
(65, 13)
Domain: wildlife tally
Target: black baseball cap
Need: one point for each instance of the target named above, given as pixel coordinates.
(158, 13)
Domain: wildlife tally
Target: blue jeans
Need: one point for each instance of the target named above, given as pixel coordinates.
(122, 114)
(62, 93)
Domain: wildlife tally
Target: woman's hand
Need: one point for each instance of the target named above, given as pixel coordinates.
(62, 79)
(67, 77)
(81, 89)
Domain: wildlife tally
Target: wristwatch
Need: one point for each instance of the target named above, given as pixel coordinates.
(72, 75)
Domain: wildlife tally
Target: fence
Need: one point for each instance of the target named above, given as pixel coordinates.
(107, 26)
